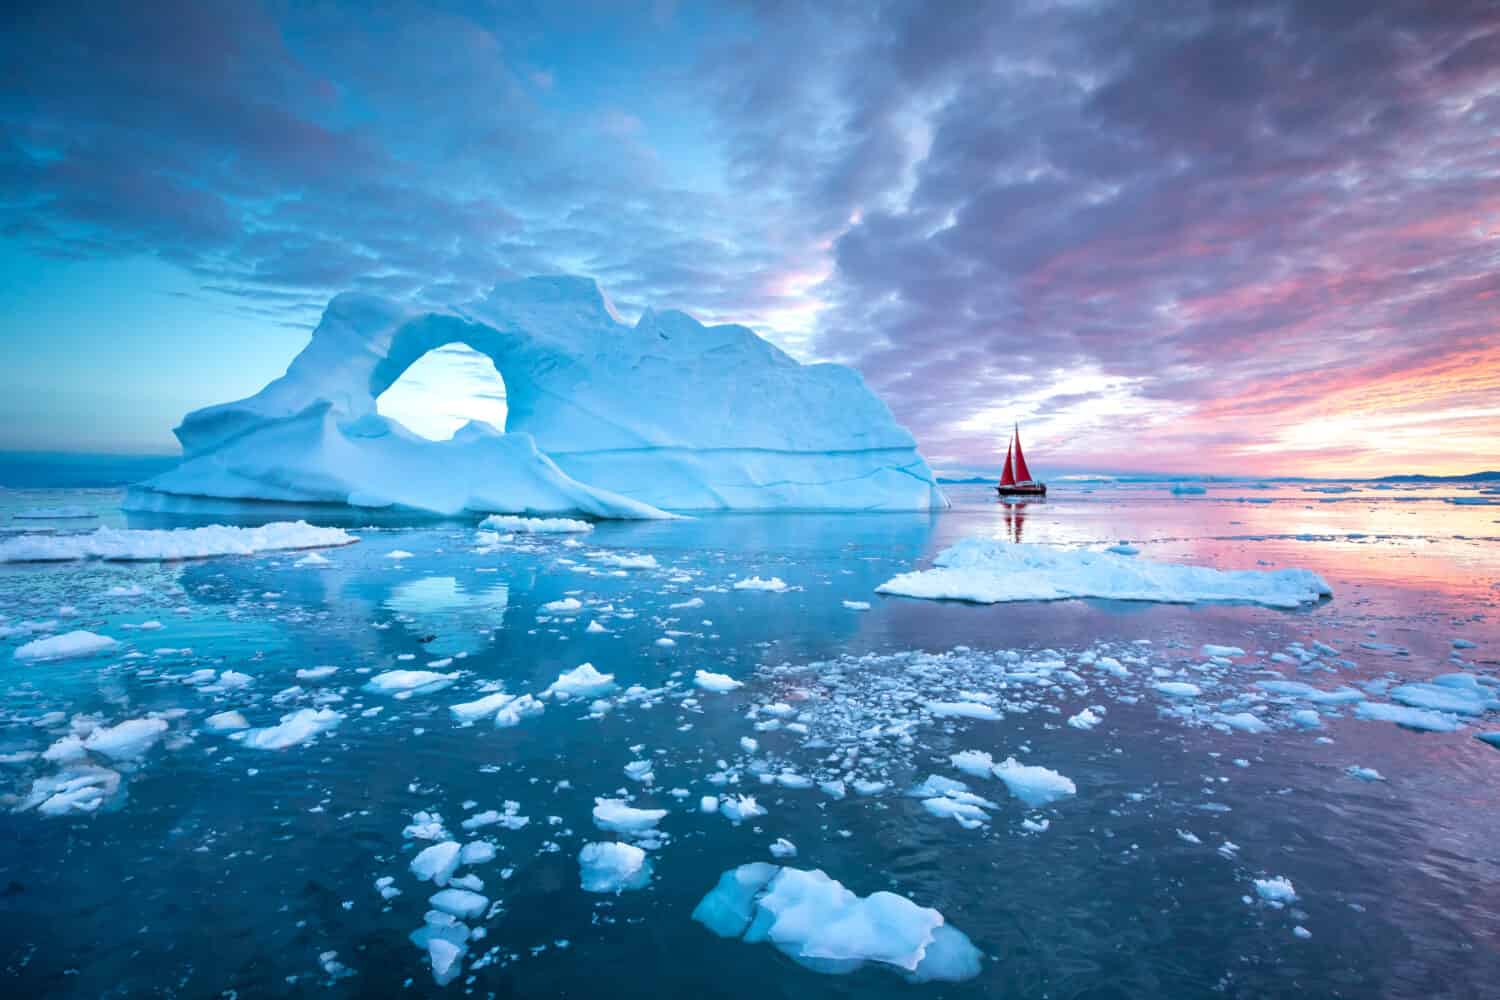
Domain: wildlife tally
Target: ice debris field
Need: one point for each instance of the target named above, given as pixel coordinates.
(447, 753)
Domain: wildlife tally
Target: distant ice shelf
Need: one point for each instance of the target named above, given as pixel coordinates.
(985, 571)
(604, 420)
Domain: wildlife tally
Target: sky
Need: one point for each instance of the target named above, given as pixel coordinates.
(1253, 238)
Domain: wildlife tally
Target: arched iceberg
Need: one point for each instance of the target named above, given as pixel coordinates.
(604, 420)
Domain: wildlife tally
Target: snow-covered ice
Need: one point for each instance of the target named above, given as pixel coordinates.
(583, 681)
(1036, 786)
(717, 683)
(295, 727)
(536, 525)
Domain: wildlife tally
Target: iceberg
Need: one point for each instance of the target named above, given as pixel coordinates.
(735, 423)
(987, 571)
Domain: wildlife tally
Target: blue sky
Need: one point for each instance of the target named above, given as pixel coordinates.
(1185, 236)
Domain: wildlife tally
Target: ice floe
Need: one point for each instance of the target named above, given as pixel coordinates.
(295, 728)
(815, 921)
(66, 646)
(613, 867)
(986, 571)
(121, 544)
(536, 525)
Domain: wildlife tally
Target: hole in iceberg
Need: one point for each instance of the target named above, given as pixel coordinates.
(443, 390)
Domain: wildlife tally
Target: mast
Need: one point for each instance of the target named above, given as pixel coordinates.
(1022, 473)
(1007, 478)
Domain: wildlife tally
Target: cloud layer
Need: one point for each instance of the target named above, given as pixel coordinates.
(1169, 236)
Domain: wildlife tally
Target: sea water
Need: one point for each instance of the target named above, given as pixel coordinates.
(1309, 853)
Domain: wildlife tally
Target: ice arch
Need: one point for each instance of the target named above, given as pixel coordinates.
(443, 390)
(604, 419)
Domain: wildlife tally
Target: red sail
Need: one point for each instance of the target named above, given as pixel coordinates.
(1022, 473)
(1007, 478)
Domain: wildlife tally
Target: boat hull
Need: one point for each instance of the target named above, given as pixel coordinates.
(1029, 490)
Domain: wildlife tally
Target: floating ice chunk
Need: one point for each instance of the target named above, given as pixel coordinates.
(583, 681)
(426, 826)
(617, 817)
(1178, 689)
(181, 543)
(1470, 699)
(313, 559)
(403, 684)
(66, 646)
(1409, 718)
(1363, 773)
(563, 606)
(613, 867)
(1245, 722)
(966, 814)
(1224, 652)
(535, 525)
(482, 708)
(596, 628)
(774, 584)
(857, 605)
(446, 958)
(1124, 548)
(783, 848)
(986, 571)
(818, 923)
(81, 788)
(436, 864)
(128, 740)
(708, 804)
(975, 763)
(296, 727)
(477, 852)
(738, 808)
(1085, 719)
(523, 707)
(1110, 665)
(639, 770)
(1277, 890)
(460, 903)
(1033, 785)
(316, 673)
(962, 710)
(398, 554)
(718, 683)
(1306, 718)
(1297, 689)
(627, 561)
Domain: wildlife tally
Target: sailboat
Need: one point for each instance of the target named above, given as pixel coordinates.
(1016, 480)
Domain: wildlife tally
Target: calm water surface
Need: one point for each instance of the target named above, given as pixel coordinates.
(221, 870)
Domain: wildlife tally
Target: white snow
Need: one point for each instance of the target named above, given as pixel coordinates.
(733, 423)
(1086, 719)
(65, 646)
(717, 683)
(535, 525)
(815, 921)
(613, 867)
(583, 681)
(295, 727)
(1033, 785)
(563, 606)
(119, 544)
(81, 788)
(987, 571)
